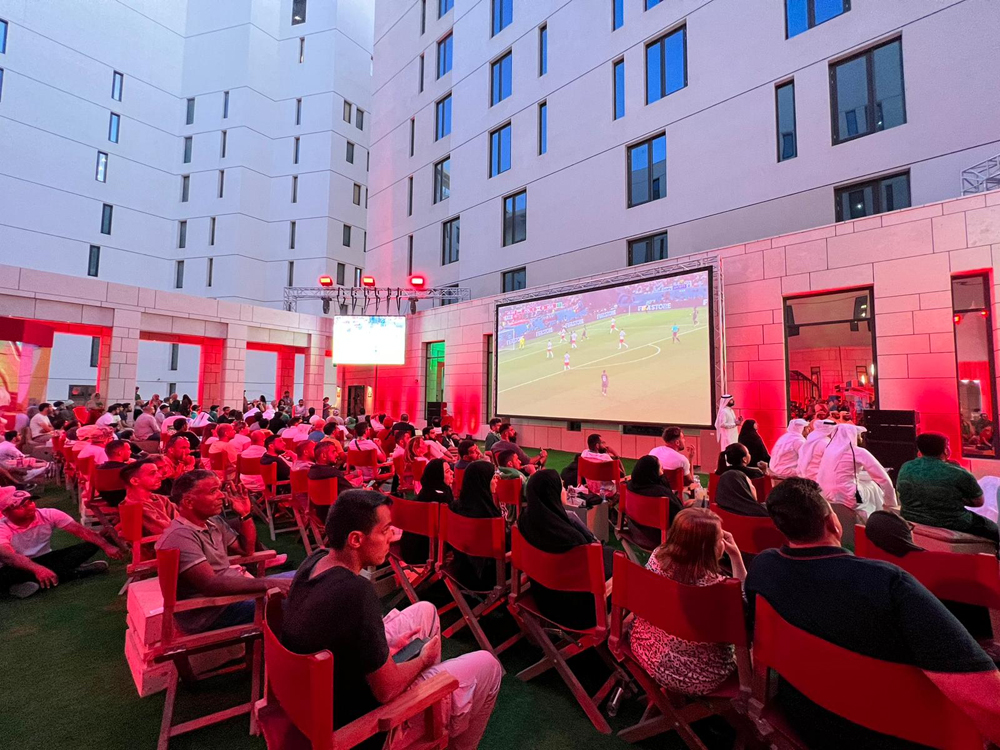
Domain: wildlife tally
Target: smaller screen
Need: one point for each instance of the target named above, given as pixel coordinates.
(369, 340)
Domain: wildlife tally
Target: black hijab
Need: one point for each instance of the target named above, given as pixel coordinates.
(544, 523)
(570, 475)
(891, 533)
(432, 485)
(750, 438)
(733, 494)
(647, 479)
(476, 500)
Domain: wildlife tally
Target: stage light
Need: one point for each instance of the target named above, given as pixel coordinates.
(417, 281)
(326, 281)
(368, 281)
(957, 318)
(984, 313)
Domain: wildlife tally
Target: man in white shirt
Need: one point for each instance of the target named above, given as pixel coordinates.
(109, 418)
(10, 455)
(300, 409)
(784, 461)
(40, 426)
(675, 453)
(363, 442)
(598, 450)
(96, 438)
(27, 561)
(225, 443)
(146, 426)
(436, 449)
(162, 414)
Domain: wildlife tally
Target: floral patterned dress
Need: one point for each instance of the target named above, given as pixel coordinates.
(681, 665)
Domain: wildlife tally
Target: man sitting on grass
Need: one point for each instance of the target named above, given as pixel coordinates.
(28, 562)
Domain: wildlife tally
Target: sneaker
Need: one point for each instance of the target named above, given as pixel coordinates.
(24, 590)
(276, 561)
(92, 568)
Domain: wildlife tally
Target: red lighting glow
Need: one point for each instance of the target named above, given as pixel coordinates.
(957, 318)
(325, 281)
(417, 281)
(984, 313)
(367, 281)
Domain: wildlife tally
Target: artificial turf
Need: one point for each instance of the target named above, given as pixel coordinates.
(66, 683)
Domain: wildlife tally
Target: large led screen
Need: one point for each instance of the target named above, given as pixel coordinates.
(369, 339)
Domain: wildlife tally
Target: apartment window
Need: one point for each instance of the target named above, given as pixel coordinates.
(357, 194)
(977, 395)
(514, 280)
(295, 150)
(350, 153)
(107, 212)
(502, 72)
(290, 276)
(348, 111)
(652, 3)
(443, 118)
(442, 179)
(445, 55)
(543, 50)
(866, 92)
(503, 14)
(291, 235)
(117, 83)
(647, 165)
(619, 85)
(189, 119)
(666, 65)
(413, 134)
(359, 120)
(647, 249)
(222, 182)
(347, 235)
(785, 101)
(423, 16)
(182, 234)
(543, 128)
(225, 105)
(298, 111)
(298, 12)
(95, 351)
(302, 49)
(210, 272)
(211, 230)
(224, 140)
(409, 255)
(420, 75)
(185, 188)
(3, 36)
(114, 125)
(617, 14)
(449, 241)
(1, 82)
(341, 271)
(179, 274)
(444, 6)
(515, 218)
(295, 188)
(175, 350)
(873, 197)
(802, 15)
(500, 150)
(94, 261)
(102, 167)
(409, 195)
(171, 387)
(188, 147)
(357, 277)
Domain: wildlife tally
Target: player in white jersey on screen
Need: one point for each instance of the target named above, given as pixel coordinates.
(694, 317)
(566, 361)
(612, 326)
(572, 340)
(548, 351)
(621, 340)
(604, 382)
(562, 336)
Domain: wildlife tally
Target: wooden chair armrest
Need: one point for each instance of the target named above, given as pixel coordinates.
(147, 539)
(256, 557)
(200, 602)
(207, 641)
(607, 587)
(140, 567)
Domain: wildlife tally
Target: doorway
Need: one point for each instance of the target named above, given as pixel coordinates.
(355, 400)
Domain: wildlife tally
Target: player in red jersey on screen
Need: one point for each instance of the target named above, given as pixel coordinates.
(694, 316)
(604, 382)
(585, 333)
(566, 361)
(621, 340)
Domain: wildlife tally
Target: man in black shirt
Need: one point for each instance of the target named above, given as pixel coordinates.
(867, 606)
(326, 466)
(119, 453)
(331, 606)
(272, 456)
(403, 425)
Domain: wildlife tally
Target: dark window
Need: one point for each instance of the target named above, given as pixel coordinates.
(95, 351)
(225, 104)
(449, 241)
(350, 153)
(443, 118)
(543, 50)
(444, 6)
(359, 120)
(445, 55)
(222, 183)
(298, 12)
(503, 14)
(211, 272)
(188, 148)
(117, 83)
(357, 277)
(302, 49)
(647, 249)
(617, 14)
(185, 188)
(211, 231)
(420, 74)
(290, 280)
(502, 73)
(514, 280)
(106, 215)
(409, 255)
(1, 82)
(298, 111)
(341, 272)
(190, 112)
(666, 65)
(787, 141)
(442, 179)
(515, 218)
(652, 3)
(867, 92)
(114, 126)
(357, 194)
(175, 351)
(296, 144)
(647, 165)
(423, 16)
(94, 261)
(295, 189)
(291, 235)
(413, 134)
(873, 197)
(409, 195)
(347, 235)
(182, 234)
(447, 301)
(3, 36)
(802, 15)
(619, 84)
(500, 150)
(179, 274)
(348, 111)
(543, 127)
(977, 397)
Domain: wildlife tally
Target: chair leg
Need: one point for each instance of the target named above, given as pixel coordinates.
(404, 582)
(470, 619)
(256, 668)
(269, 511)
(302, 530)
(168, 711)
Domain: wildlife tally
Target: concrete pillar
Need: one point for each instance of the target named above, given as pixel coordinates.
(314, 373)
(210, 375)
(119, 359)
(233, 375)
(285, 377)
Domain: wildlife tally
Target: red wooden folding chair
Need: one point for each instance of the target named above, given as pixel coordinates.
(220, 463)
(369, 460)
(508, 496)
(675, 480)
(763, 487)
(701, 614)
(415, 518)
(713, 484)
(910, 706)
(299, 479)
(752, 534)
(100, 482)
(322, 494)
(140, 566)
(653, 512)
(282, 505)
(476, 537)
(601, 471)
(298, 699)
(582, 570)
(456, 483)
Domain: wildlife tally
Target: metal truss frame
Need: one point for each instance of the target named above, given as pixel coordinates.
(363, 300)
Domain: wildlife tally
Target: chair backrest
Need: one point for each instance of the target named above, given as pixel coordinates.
(301, 684)
(58, 441)
(269, 474)
(599, 471)
(763, 487)
(288, 444)
(753, 534)
(198, 431)
(167, 567)
(580, 569)
(417, 468)
(648, 511)
(300, 481)
(130, 514)
(106, 481)
(322, 491)
(478, 537)
(713, 483)
(247, 465)
(219, 460)
(416, 517)
(956, 577)
(675, 480)
(509, 491)
(910, 706)
(367, 459)
(81, 413)
(456, 483)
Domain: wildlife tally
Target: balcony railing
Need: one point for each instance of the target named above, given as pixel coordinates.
(982, 177)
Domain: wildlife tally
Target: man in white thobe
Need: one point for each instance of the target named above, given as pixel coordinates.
(727, 423)
(784, 461)
(811, 452)
(847, 468)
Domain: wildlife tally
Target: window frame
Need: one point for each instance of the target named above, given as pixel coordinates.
(987, 312)
(182, 233)
(777, 121)
(876, 184)
(629, 256)
(298, 111)
(174, 357)
(511, 239)
(499, 143)
(811, 17)
(359, 118)
(292, 229)
(346, 235)
(409, 195)
(290, 274)
(439, 106)
(662, 41)
(209, 272)
(543, 128)
(356, 195)
(445, 53)
(94, 261)
(225, 105)
(185, 188)
(349, 152)
(4, 28)
(95, 351)
(420, 74)
(444, 6)
(295, 188)
(188, 149)
(348, 112)
(223, 146)
(616, 6)
(179, 274)
(341, 274)
(101, 174)
(114, 127)
(523, 271)
(107, 218)
(447, 246)
(438, 186)
(869, 55)
(301, 20)
(619, 63)
(222, 183)
(189, 113)
(212, 223)
(543, 49)
(117, 85)
(499, 19)
(497, 66)
(628, 165)
(296, 149)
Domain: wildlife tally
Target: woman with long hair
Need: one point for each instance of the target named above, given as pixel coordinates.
(750, 437)
(435, 487)
(414, 453)
(691, 555)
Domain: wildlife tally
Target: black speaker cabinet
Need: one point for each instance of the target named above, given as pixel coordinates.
(891, 436)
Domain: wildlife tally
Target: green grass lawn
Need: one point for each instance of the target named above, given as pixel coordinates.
(67, 684)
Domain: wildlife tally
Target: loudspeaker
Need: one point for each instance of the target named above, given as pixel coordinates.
(891, 436)
(646, 430)
(574, 426)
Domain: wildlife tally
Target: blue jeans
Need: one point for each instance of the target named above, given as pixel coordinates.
(241, 613)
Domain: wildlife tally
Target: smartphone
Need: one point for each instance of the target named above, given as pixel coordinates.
(410, 651)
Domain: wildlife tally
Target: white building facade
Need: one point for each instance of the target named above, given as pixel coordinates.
(219, 148)
(524, 143)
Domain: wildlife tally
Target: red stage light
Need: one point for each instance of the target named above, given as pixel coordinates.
(417, 281)
(984, 313)
(367, 281)
(325, 281)
(957, 318)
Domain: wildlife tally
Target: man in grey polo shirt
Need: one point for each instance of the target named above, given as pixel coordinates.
(205, 540)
